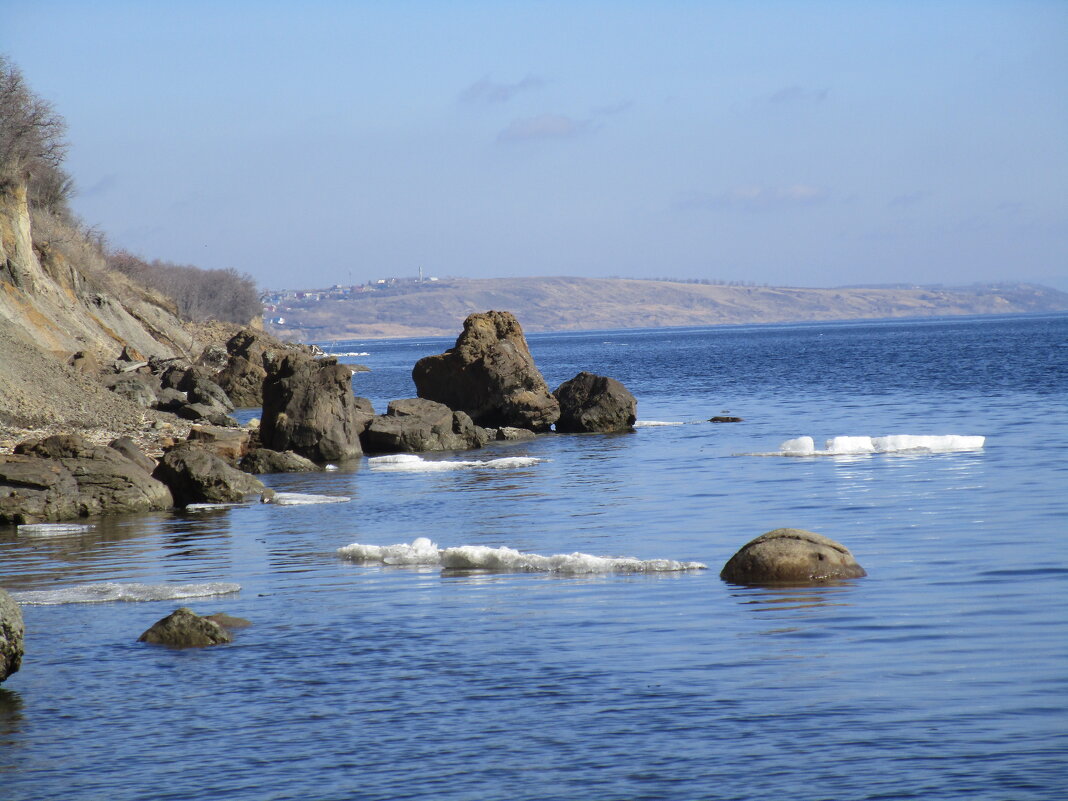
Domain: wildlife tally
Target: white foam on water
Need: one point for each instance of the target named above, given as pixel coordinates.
(410, 463)
(347, 353)
(114, 591)
(330, 467)
(53, 529)
(304, 499)
(898, 443)
(655, 423)
(207, 507)
(420, 552)
(506, 560)
(802, 446)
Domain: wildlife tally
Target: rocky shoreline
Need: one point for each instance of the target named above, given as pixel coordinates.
(189, 449)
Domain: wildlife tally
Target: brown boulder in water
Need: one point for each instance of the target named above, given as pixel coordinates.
(791, 556)
(183, 628)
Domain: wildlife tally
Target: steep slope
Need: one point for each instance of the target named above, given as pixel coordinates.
(57, 298)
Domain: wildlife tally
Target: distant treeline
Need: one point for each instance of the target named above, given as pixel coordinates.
(198, 294)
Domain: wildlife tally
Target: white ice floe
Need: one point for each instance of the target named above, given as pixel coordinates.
(114, 591)
(53, 529)
(410, 463)
(655, 423)
(508, 560)
(303, 499)
(898, 443)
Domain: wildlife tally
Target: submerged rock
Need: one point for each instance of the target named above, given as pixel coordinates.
(183, 628)
(490, 375)
(12, 631)
(591, 402)
(791, 556)
(309, 407)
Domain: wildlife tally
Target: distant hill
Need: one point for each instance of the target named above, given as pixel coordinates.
(564, 304)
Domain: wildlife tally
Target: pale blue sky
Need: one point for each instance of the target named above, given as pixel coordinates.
(799, 143)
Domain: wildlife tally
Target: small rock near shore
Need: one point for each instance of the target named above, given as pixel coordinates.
(12, 631)
(183, 628)
(791, 556)
(595, 403)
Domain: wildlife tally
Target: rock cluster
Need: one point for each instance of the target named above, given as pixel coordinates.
(489, 374)
(12, 631)
(62, 477)
(791, 556)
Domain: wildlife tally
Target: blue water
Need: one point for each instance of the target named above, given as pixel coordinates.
(942, 674)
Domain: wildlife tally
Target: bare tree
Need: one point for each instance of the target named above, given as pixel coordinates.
(32, 134)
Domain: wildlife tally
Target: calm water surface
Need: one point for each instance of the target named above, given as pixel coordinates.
(943, 674)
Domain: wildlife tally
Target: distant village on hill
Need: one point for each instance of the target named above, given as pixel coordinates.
(433, 306)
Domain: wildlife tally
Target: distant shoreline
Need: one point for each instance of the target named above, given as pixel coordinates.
(559, 305)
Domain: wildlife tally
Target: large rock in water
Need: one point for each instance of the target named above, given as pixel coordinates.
(791, 556)
(308, 407)
(183, 628)
(11, 633)
(62, 477)
(591, 402)
(414, 425)
(195, 475)
(489, 374)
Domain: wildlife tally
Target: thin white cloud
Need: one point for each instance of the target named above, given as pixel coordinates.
(543, 126)
(489, 92)
(757, 197)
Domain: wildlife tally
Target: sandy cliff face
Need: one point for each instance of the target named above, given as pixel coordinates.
(57, 298)
(55, 292)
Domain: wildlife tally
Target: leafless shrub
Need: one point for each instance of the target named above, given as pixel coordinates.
(32, 142)
(199, 294)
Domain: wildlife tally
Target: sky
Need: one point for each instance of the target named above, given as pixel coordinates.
(785, 143)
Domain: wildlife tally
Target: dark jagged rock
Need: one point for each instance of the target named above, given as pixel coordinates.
(206, 391)
(229, 444)
(12, 631)
(128, 448)
(264, 460)
(791, 556)
(308, 407)
(414, 425)
(243, 381)
(171, 400)
(591, 402)
(202, 412)
(195, 475)
(183, 628)
(490, 375)
(135, 388)
(62, 478)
